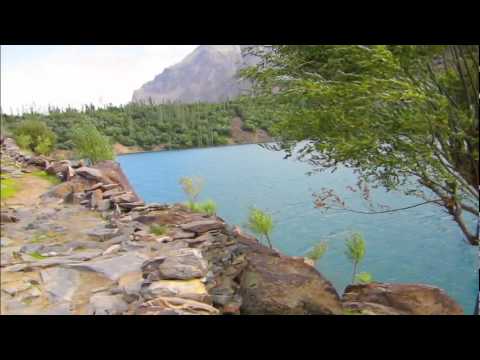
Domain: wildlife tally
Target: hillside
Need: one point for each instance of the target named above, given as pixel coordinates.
(208, 74)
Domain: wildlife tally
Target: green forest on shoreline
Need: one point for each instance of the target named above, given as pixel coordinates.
(146, 125)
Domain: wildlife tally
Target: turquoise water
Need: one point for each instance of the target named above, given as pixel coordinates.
(421, 245)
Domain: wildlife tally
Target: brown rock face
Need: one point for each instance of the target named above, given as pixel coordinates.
(401, 299)
(113, 174)
(271, 284)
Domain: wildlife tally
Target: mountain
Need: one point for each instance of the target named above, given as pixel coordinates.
(208, 74)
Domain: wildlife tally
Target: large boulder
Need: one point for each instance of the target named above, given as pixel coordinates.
(181, 264)
(401, 299)
(281, 285)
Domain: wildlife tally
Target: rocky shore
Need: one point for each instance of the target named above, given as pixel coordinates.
(87, 246)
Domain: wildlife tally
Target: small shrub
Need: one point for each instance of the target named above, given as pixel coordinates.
(355, 251)
(192, 187)
(364, 278)
(261, 223)
(158, 230)
(318, 251)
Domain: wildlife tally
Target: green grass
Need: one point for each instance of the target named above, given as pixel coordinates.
(43, 175)
(8, 188)
(37, 255)
(158, 229)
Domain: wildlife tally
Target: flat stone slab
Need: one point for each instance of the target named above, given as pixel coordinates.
(203, 226)
(60, 283)
(112, 268)
(102, 233)
(105, 304)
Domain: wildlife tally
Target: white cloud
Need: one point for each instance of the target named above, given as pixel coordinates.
(76, 75)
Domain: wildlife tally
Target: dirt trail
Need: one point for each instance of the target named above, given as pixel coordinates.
(30, 189)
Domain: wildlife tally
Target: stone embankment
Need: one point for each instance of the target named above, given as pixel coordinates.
(88, 246)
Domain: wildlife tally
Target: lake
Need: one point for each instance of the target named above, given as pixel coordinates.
(420, 245)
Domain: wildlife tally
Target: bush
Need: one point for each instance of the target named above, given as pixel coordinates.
(318, 251)
(89, 143)
(32, 134)
(192, 186)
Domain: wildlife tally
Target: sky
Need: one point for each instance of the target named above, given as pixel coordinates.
(73, 75)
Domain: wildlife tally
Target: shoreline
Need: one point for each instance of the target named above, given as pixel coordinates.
(190, 148)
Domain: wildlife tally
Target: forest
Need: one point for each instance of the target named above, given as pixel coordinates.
(146, 125)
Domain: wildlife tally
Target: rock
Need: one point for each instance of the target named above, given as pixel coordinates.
(62, 308)
(186, 289)
(90, 173)
(60, 283)
(175, 306)
(182, 264)
(132, 205)
(280, 285)
(114, 192)
(113, 173)
(127, 197)
(59, 168)
(4, 242)
(103, 304)
(31, 248)
(75, 185)
(39, 161)
(68, 174)
(163, 239)
(96, 198)
(112, 268)
(6, 217)
(112, 250)
(75, 198)
(102, 234)
(203, 226)
(75, 164)
(94, 187)
(106, 187)
(408, 299)
(180, 234)
(131, 283)
(104, 205)
(14, 287)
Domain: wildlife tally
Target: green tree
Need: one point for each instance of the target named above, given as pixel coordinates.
(355, 251)
(393, 112)
(261, 224)
(32, 133)
(89, 143)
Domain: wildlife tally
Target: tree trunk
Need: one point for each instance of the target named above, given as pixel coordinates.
(269, 242)
(354, 272)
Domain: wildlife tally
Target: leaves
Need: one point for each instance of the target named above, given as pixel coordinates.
(318, 251)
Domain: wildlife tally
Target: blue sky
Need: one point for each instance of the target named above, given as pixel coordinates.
(74, 75)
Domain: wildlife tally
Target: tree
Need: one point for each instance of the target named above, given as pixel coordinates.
(355, 251)
(392, 112)
(261, 223)
(89, 143)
